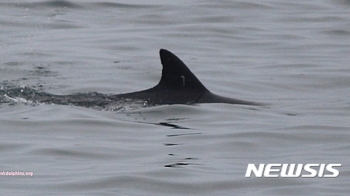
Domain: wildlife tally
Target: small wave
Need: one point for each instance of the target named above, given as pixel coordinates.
(93, 100)
(43, 4)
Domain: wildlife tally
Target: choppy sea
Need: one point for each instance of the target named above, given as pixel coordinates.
(291, 55)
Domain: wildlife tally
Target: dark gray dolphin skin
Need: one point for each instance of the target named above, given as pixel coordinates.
(178, 85)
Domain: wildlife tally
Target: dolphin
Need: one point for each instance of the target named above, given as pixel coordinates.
(178, 85)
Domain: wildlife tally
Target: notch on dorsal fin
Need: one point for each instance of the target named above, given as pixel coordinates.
(176, 75)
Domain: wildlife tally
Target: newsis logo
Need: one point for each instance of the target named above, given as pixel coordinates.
(293, 170)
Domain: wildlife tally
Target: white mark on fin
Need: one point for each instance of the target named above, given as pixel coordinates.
(183, 80)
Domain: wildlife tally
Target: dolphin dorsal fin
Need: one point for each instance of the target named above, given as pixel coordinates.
(176, 75)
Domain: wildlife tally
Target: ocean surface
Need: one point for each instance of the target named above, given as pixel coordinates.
(291, 55)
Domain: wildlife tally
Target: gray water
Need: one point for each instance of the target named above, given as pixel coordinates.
(291, 55)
